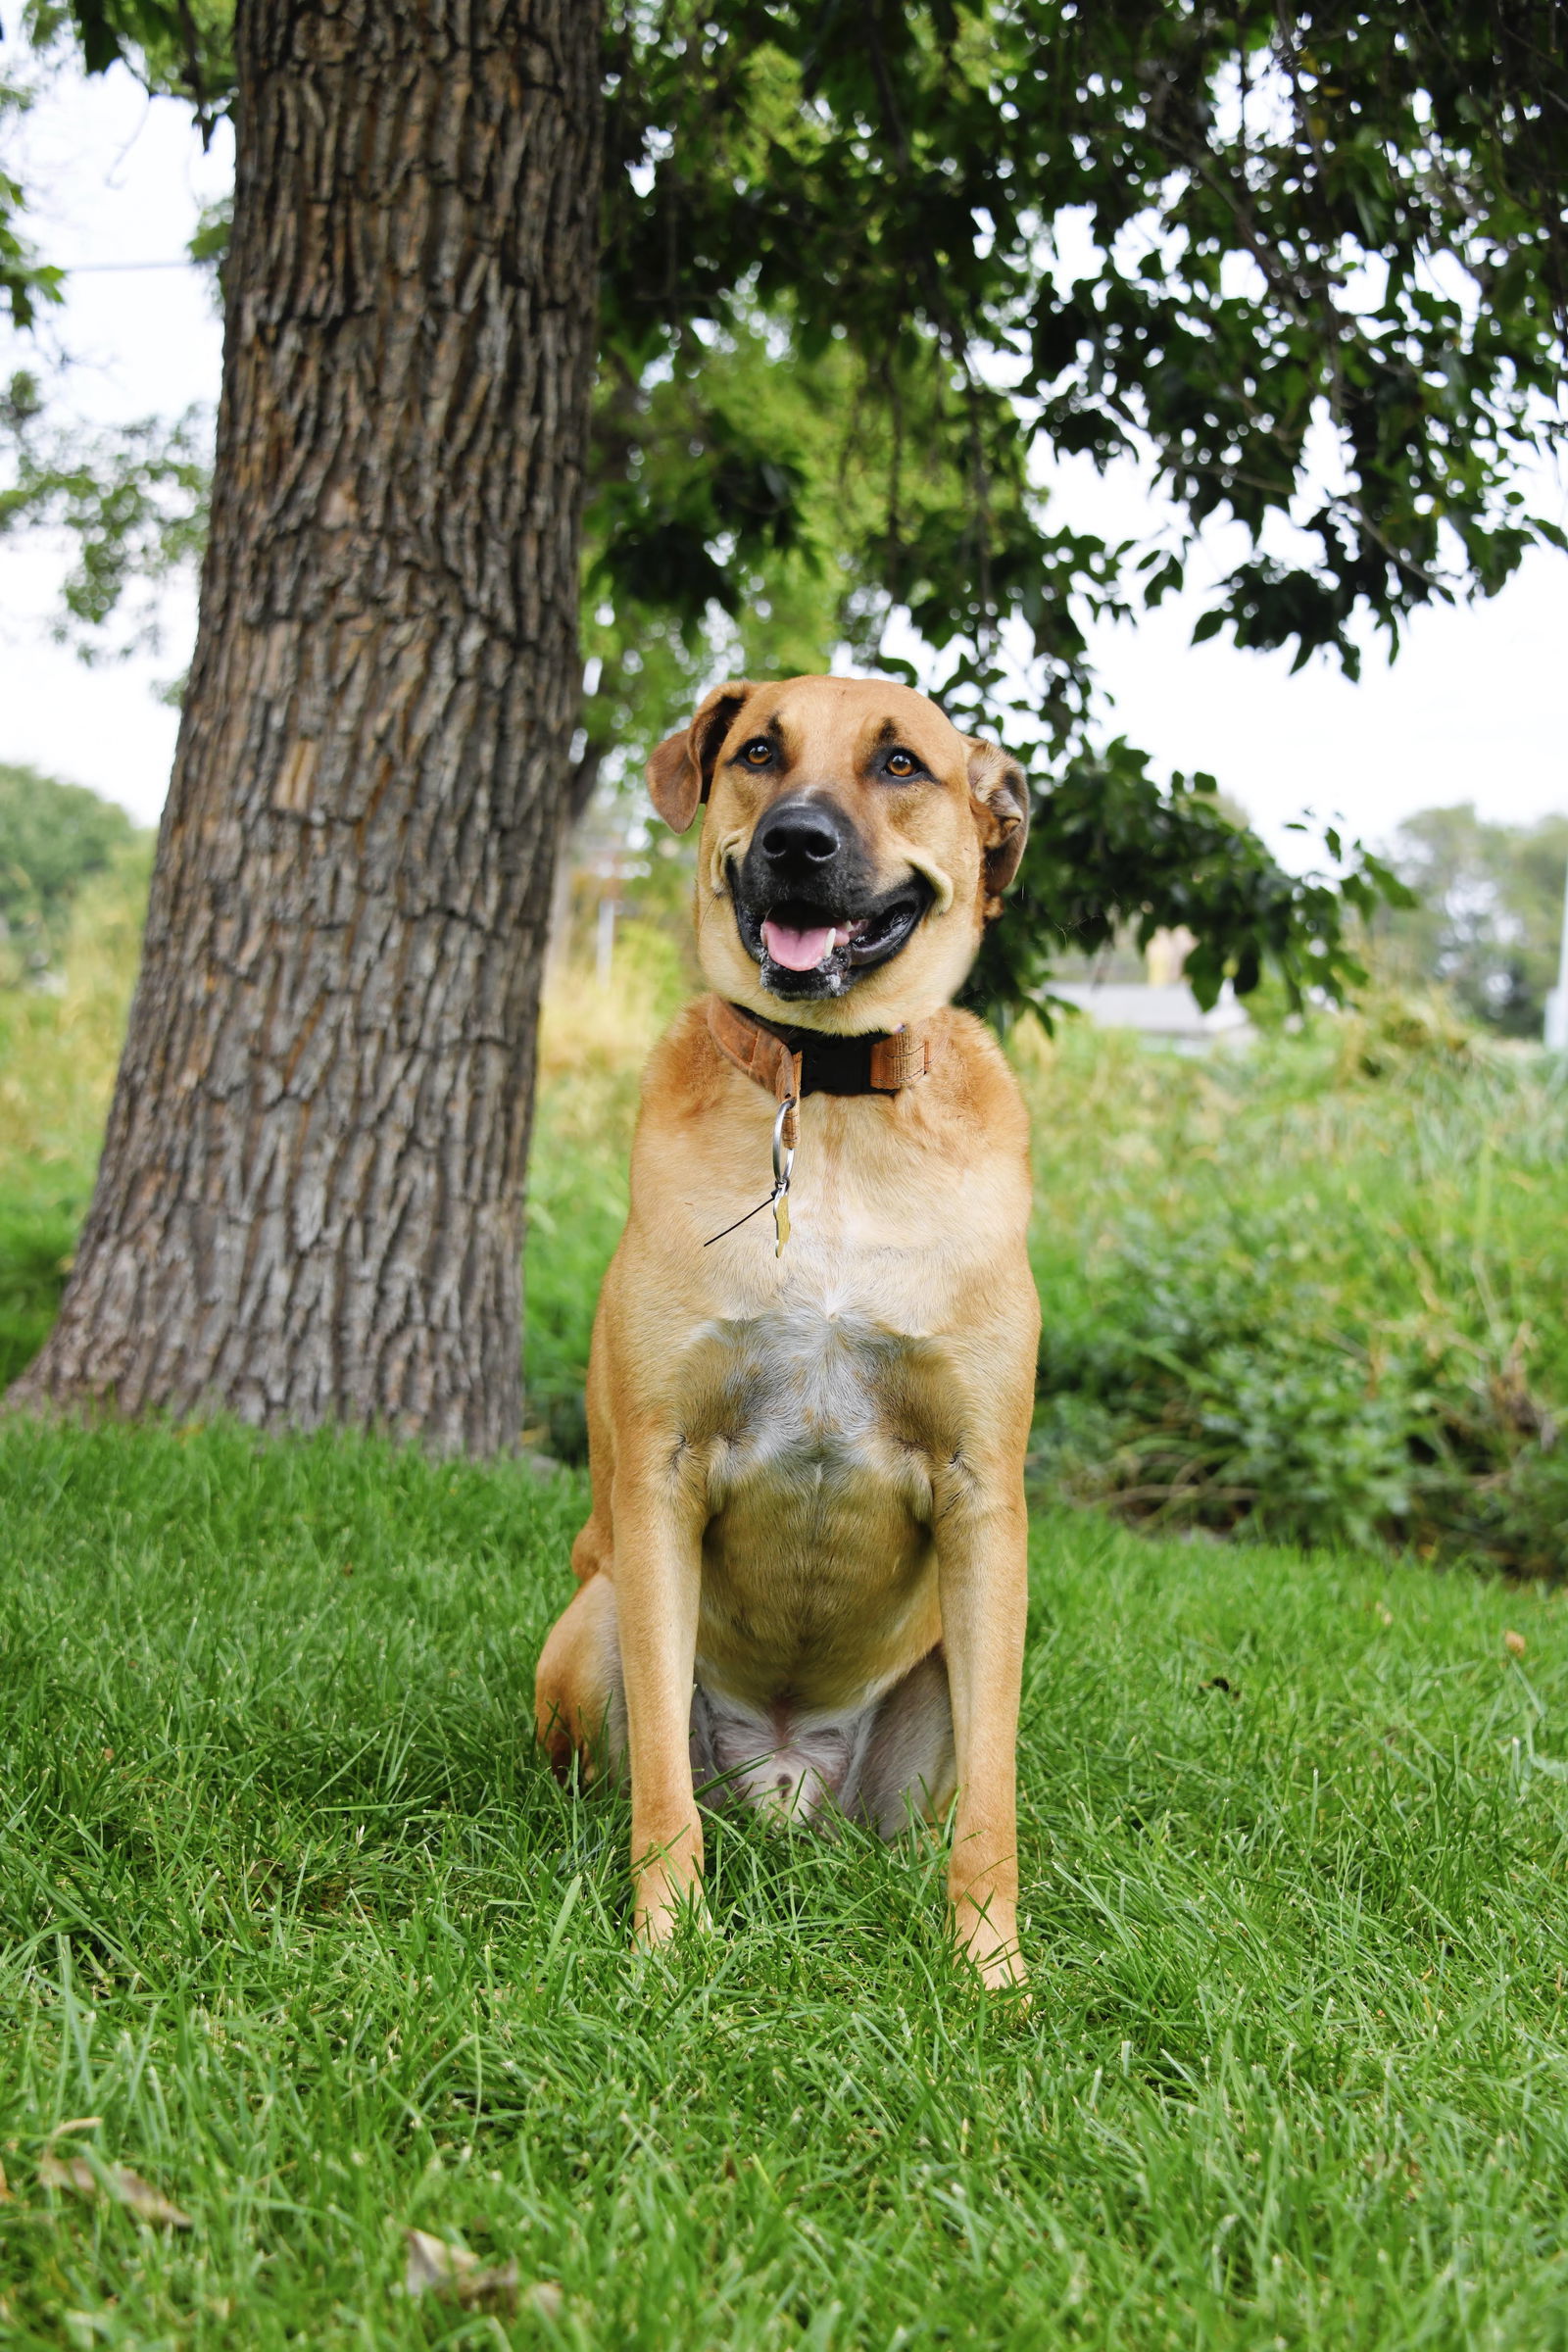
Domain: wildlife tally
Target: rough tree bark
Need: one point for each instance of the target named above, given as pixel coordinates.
(310, 1204)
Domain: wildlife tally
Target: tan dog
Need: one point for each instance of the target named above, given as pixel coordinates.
(803, 1583)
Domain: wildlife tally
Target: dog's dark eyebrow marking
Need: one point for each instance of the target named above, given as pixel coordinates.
(889, 732)
(887, 736)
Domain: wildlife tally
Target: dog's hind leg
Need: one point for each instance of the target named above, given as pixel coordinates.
(579, 1695)
(580, 1690)
(594, 1550)
(907, 1771)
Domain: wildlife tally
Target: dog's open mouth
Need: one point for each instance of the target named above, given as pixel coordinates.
(806, 949)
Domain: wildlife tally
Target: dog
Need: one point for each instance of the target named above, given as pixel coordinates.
(803, 1583)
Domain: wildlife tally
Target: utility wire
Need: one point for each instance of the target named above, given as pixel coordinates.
(97, 269)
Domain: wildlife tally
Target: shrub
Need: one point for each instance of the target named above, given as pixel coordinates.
(53, 838)
(1318, 1324)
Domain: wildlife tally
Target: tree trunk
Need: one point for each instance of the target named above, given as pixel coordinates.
(309, 1204)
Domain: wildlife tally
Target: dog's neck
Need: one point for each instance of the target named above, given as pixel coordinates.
(792, 1062)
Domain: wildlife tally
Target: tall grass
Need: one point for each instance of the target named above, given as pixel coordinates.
(1316, 1287)
(59, 1049)
(594, 1040)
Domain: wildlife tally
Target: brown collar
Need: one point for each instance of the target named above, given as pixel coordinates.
(792, 1062)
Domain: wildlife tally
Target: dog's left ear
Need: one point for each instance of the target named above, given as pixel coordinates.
(681, 769)
(999, 788)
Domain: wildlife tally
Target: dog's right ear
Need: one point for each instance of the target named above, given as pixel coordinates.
(681, 769)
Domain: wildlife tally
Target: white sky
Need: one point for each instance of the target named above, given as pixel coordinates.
(1473, 709)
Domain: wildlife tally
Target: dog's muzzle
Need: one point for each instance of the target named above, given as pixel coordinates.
(805, 905)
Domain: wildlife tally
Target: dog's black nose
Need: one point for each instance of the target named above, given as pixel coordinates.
(802, 833)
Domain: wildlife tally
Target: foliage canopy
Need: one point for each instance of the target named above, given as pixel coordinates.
(870, 273)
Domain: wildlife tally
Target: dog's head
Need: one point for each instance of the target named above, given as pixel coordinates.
(854, 848)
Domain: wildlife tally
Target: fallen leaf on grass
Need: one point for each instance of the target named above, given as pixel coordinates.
(435, 2268)
(116, 2180)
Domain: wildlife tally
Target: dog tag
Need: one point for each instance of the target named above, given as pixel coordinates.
(783, 1163)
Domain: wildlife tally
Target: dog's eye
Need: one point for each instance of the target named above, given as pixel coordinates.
(757, 753)
(902, 763)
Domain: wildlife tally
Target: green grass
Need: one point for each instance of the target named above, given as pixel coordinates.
(37, 1235)
(291, 1905)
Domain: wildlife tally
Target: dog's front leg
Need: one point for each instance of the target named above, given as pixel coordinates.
(982, 1565)
(659, 1513)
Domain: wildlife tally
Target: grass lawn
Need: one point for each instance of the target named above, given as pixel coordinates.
(292, 1907)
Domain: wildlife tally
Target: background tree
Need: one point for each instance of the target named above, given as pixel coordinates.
(27, 280)
(1489, 918)
(53, 838)
(131, 498)
(1319, 286)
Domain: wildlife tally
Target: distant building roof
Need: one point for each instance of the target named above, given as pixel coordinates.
(1171, 1011)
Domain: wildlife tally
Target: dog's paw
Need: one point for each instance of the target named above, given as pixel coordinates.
(665, 1914)
(988, 1943)
(1002, 1972)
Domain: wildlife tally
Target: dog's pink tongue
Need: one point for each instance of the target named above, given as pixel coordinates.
(797, 950)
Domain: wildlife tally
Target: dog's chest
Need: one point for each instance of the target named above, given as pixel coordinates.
(815, 1400)
(818, 1428)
